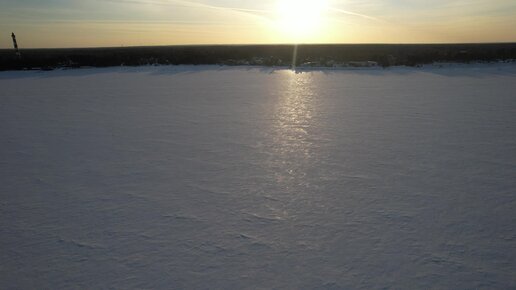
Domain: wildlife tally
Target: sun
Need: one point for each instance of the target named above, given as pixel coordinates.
(301, 19)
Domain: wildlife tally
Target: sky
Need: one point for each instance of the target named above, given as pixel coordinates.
(100, 23)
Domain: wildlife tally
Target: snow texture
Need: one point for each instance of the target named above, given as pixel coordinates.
(252, 178)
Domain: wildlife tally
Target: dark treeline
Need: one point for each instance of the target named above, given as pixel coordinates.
(268, 55)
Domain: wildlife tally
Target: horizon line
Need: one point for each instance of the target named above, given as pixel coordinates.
(268, 44)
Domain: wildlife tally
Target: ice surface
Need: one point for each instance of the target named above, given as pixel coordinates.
(249, 178)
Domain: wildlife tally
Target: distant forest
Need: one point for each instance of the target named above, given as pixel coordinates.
(266, 55)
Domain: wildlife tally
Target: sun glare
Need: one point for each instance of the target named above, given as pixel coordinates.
(301, 19)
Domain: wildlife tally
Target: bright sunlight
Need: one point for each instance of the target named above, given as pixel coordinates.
(301, 19)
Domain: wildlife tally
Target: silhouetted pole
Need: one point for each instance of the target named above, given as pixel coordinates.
(15, 43)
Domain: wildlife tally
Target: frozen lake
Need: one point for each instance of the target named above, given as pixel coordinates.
(249, 178)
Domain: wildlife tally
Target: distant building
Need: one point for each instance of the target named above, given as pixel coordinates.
(362, 63)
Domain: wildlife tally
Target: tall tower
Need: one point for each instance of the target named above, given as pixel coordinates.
(15, 43)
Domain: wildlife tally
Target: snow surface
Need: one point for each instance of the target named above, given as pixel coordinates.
(251, 178)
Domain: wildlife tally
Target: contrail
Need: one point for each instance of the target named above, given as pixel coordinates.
(357, 14)
(203, 5)
(255, 13)
(185, 3)
(243, 11)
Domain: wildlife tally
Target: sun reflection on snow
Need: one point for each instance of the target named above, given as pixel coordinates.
(294, 146)
(293, 143)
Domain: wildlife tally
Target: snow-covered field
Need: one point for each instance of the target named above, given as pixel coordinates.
(252, 178)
